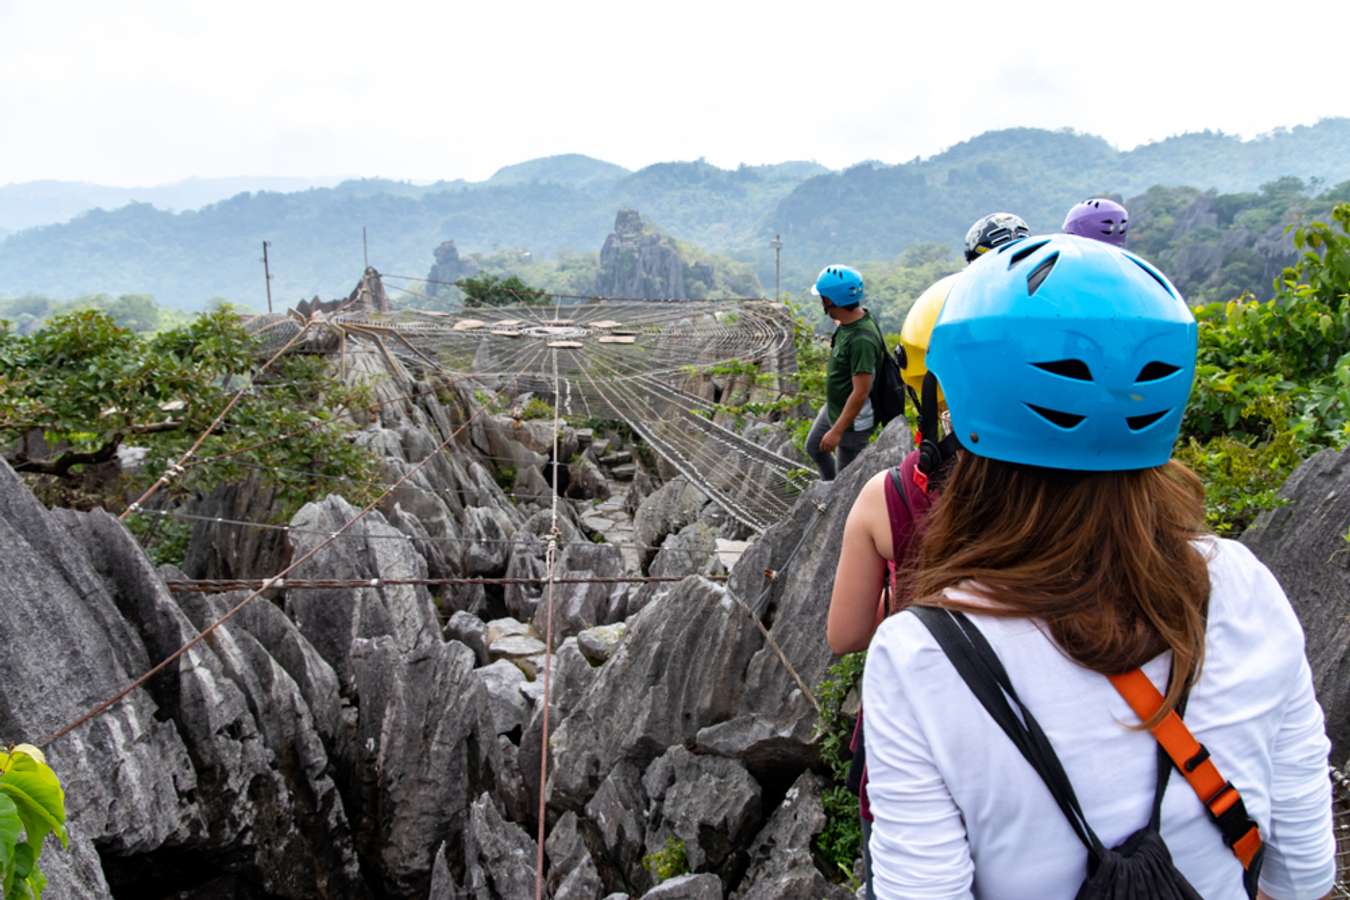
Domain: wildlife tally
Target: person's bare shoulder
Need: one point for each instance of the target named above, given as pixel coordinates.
(869, 512)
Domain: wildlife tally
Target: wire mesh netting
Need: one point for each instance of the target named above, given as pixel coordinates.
(641, 363)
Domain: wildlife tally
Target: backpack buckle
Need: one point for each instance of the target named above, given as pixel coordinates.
(921, 479)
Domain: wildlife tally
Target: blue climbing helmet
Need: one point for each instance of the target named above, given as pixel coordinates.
(1066, 353)
(841, 285)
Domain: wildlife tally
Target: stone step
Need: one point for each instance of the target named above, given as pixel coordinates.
(617, 459)
(624, 472)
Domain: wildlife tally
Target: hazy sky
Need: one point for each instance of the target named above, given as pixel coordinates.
(134, 93)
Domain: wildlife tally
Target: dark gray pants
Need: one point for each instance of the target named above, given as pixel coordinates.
(850, 445)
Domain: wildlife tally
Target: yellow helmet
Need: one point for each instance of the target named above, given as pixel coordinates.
(918, 328)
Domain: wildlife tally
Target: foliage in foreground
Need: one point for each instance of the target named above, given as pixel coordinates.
(1272, 379)
(32, 804)
(80, 389)
(840, 843)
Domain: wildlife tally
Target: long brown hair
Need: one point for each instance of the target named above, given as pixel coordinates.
(1105, 559)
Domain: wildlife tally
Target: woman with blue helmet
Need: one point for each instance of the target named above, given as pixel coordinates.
(1074, 551)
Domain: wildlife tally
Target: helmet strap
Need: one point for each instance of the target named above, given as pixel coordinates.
(934, 449)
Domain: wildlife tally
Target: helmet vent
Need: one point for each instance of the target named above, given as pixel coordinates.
(1063, 420)
(1139, 423)
(1041, 272)
(1024, 252)
(1156, 371)
(1152, 273)
(1067, 368)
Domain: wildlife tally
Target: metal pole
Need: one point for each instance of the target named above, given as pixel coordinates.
(777, 245)
(365, 255)
(267, 276)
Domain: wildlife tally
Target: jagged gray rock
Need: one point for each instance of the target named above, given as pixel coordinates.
(502, 682)
(333, 619)
(618, 813)
(498, 855)
(572, 873)
(486, 531)
(691, 551)
(664, 511)
(599, 643)
(687, 887)
(578, 606)
(585, 481)
(259, 769)
(710, 803)
(1304, 544)
(570, 678)
(635, 710)
(796, 601)
(767, 746)
(528, 553)
(470, 631)
(219, 550)
(424, 745)
(781, 864)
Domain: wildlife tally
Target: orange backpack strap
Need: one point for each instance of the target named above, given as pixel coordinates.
(1192, 760)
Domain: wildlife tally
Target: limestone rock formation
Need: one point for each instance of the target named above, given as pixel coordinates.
(634, 710)
(638, 261)
(1304, 544)
(781, 865)
(711, 804)
(333, 618)
(449, 267)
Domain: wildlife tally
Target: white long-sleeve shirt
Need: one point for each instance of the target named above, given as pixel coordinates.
(959, 812)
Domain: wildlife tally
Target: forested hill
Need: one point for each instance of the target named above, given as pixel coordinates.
(875, 211)
(870, 212)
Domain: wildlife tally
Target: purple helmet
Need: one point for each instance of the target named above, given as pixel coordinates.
(1102, 220)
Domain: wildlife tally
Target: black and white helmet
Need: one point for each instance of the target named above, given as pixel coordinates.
(994, 230)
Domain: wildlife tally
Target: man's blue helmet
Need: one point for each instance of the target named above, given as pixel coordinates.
(841, 285)
(1066, 353)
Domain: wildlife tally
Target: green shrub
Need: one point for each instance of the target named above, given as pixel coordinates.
(1272, 379)
(537, 409)
(671, 861)
(840, 843)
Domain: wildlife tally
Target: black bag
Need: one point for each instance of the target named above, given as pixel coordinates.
(1140, 867)
(888, 391)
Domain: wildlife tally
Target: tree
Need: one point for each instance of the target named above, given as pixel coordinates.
(81, 387)
(489, 290)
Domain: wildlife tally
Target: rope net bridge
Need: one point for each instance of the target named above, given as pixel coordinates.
(632, 361)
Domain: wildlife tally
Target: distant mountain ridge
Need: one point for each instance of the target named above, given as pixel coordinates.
(34, 203)
(870, 212)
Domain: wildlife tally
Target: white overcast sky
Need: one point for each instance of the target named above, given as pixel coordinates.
(139, 93)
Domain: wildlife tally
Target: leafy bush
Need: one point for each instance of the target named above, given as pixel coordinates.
(1272, 379)
(840, 843)
(536, 408)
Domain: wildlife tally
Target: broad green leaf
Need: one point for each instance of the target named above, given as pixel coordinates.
(10, 827)
(37, 793)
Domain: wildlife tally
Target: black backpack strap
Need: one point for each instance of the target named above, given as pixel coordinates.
(981, 670)
(935, 450)
(900, 489)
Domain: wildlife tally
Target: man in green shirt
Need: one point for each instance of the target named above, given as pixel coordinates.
(846, 420)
